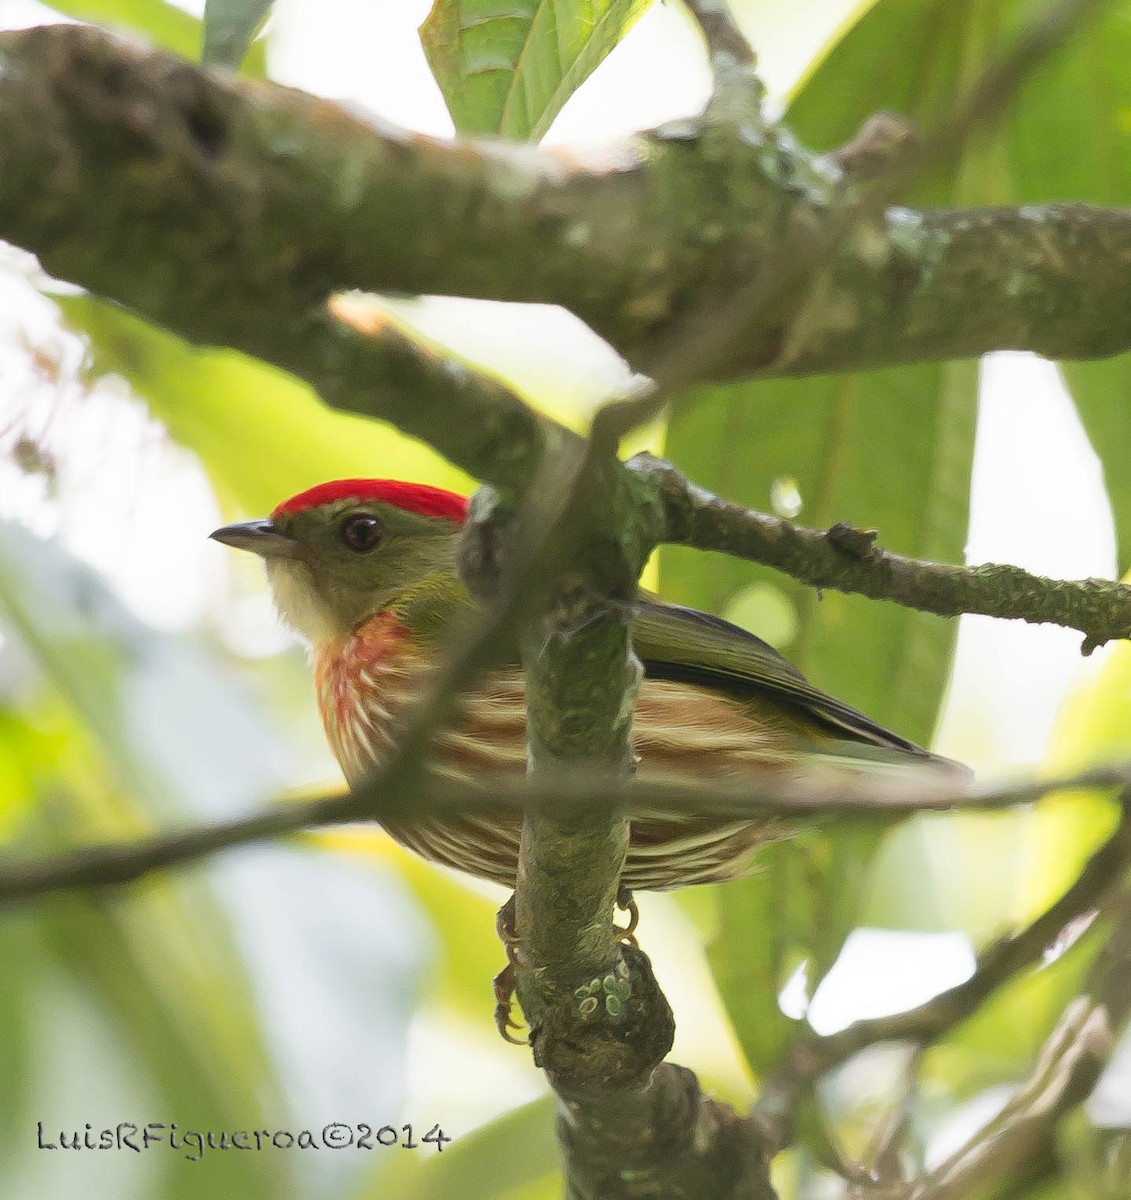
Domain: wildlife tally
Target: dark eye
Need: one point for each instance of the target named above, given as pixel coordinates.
(361, 532)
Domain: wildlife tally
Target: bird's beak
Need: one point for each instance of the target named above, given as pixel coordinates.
(260, 537)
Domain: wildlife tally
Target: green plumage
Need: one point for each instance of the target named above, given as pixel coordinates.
(692, 647)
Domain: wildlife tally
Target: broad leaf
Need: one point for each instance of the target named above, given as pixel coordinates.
(162, 23)
(229, 27)
(890, 450)
(1082, 99)
(507, 68)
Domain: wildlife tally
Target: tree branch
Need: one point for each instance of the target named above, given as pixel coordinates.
(849, 560)
(126, 169)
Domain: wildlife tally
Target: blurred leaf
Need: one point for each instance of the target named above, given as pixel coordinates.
(166, 719)
(1098, 1161)
(23, 748)
(20, 981)
(1102, 392)
(513, 1157)
(229, 27)
(794, 912)
(183, 1022)
(907, 57)
(826, 437)
(1000, 1042)
(160, 22)
(158, 965)
(1081, 97)
(915, 57)
(755, 951)
(1054, 839)
(260, 434)
(186, 1018)
(470, 954)
(1093, 726)
(508, 68)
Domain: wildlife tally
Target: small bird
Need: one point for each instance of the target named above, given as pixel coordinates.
(365, 571)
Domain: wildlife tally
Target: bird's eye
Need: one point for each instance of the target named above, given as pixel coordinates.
(361, 532)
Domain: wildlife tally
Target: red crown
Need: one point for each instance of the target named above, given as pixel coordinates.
(412, 497)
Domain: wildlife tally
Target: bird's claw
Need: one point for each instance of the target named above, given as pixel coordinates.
(626, 903)
(504, 982)
(504, 996)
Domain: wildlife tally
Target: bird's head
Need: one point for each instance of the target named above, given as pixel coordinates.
(339, 552)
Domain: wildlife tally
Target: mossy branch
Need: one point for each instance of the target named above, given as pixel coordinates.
(848, 559)
(229, 212)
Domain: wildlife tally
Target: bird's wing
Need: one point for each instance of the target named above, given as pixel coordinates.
(682, 644)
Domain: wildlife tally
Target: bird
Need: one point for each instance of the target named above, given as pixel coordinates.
(364, 570)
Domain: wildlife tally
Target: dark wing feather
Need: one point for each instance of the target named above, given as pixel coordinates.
(682, 644)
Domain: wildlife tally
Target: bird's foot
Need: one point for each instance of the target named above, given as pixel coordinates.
(626, 903)
(600, 992)
(504, 982)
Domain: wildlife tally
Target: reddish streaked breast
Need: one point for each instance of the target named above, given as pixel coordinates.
(367, 679)
(363, 680)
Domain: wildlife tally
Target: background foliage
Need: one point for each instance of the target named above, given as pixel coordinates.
(335, 980)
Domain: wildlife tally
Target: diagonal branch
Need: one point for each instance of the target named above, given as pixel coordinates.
(811, 1057)
(1068, 1068)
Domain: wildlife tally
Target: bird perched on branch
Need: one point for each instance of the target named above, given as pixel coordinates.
(364, 570)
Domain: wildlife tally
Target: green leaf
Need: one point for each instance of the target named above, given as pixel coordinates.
(1102, 394)
(179, 971)
(160, 22)
(511, 1157)
(795, 912)
(470, 953)
(145, 724)
(20, 981)
(229, 27)
(890, 450)
(508, 66)
(260, 434)
(1082, 99)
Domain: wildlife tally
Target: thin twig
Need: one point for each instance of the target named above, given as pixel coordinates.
(723, 37)
(868, 795)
